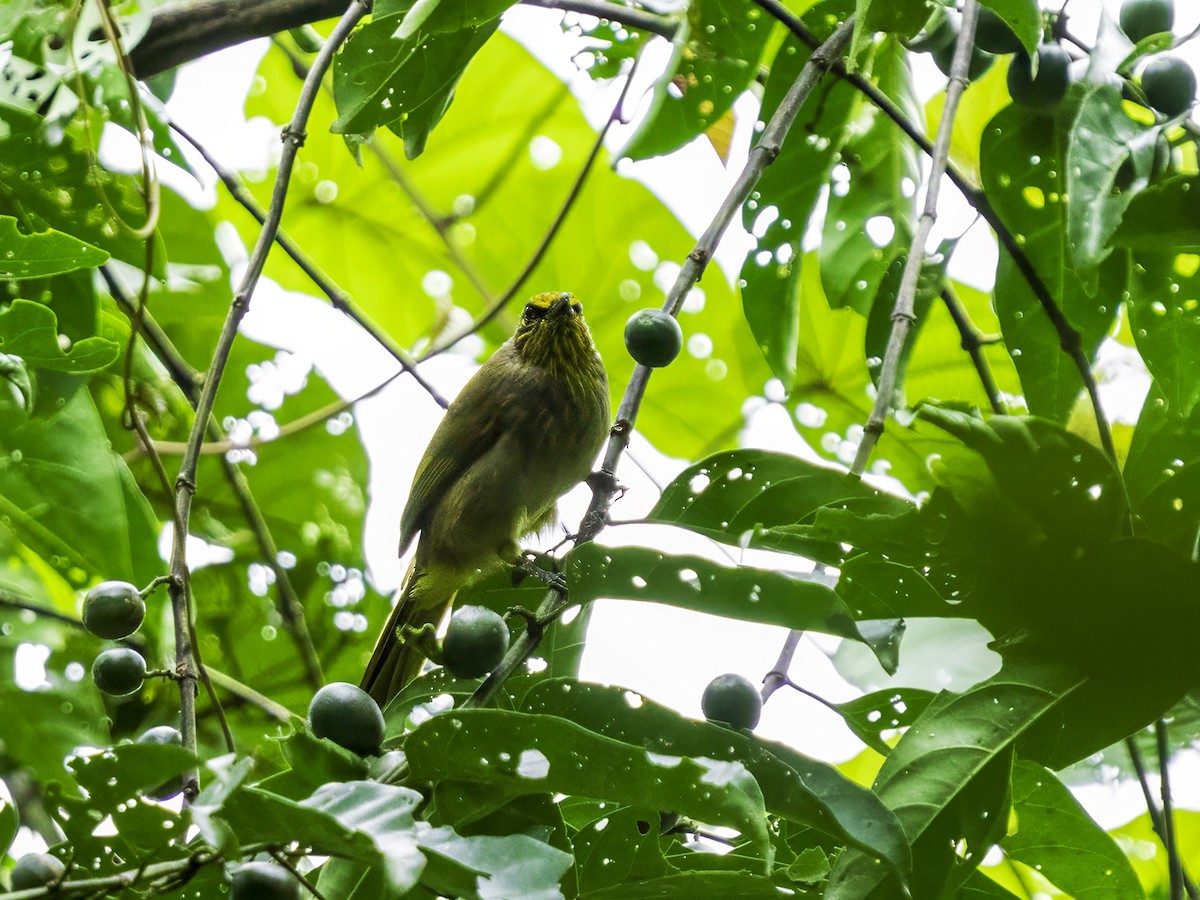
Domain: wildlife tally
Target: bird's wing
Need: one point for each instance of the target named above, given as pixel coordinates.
(472, 425)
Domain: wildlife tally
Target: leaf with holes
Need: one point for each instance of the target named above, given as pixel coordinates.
(44, 253)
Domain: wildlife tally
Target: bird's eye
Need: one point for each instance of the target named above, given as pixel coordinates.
(577, 306)
(533, 311)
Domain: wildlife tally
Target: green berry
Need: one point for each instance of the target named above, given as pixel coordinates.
(119, 671)
(263, 881)
(1169, 85)
(113, 610)
(937, 33)
(1048, 86)
(732, 700)
(476, 640)
(653, 338)
(993, 34)
(980, 62)
(35, 870)
(1142, 18)
(348, 716)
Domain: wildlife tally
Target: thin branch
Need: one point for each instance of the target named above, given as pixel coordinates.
(1174, 863)
(604, 484)
(778, 676)
(555, 226)
(973, 343)
(185, 483)
(903, 313)
(1152, 809)
(339, 298)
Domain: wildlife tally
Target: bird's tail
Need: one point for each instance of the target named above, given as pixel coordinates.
(395, 662)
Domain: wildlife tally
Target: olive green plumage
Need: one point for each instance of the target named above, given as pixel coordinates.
(524, 430)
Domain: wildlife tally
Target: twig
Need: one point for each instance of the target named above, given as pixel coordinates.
(337, 297)
(555, 226)
(973, 342)
(604, 485)
(1152, 809)
(1174, 864)
(903, 313)
(778, 676)
(185, 483)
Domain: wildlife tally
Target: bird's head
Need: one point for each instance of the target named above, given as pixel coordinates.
(552, 334)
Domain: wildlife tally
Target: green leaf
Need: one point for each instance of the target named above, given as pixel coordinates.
(1103, 145)
(1163, 216)
(784, 199)
(30, 331)
(66, 494)
(1056, 836)
(899, 17)
(44, 253)
(868, 223)
(1025, 177)
(948, 778)
(716, 57)
(618, 848)
(691, 582)
(1162, 472)
(536, 754)
(10, 823)
(726, 885)
(405, 81)
(59, 186)
(1164, 313)
(514, 865)
(801, 789)
(1024, 17)
(886, 710)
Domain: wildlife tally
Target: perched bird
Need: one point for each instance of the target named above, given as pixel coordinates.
(524, 430)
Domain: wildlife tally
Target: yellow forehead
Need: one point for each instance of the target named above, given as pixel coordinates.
(545, 299)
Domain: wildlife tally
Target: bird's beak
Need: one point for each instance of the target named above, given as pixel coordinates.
(561, 306)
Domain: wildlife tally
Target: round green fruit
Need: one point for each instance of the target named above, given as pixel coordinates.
(348, 716)
(993, 34)
(1142, 18)
(1048, 86)
(263, 881)
(732, 700)
(35, 870)
(119, 671)
(937, 33)
(980, 62)
(653, 338)
(1169, 85)
(113, 610)
(476, 640)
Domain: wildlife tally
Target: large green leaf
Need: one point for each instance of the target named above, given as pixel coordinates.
(1024, 169)
(65, 493)
(1164, 312)
(526, 754)
(1056, 836)
(30, 331)
(798, 788)
(1110, 158)
(948, 779)
(43, 253)
(401, 72)
(717, 48)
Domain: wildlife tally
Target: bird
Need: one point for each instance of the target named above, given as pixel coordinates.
(524, 430)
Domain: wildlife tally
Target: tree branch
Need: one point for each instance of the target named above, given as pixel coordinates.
(186, 31)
